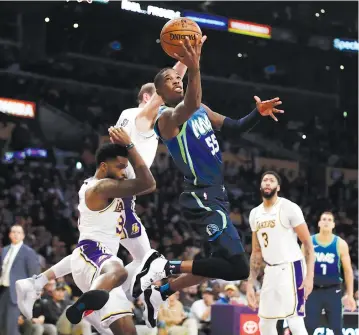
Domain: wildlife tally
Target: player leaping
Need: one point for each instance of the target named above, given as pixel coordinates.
(139, 125)
(187, 126)
(288, 280)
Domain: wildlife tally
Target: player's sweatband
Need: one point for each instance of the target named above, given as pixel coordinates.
(235, 127)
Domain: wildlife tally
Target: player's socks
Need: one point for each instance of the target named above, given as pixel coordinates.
(166, 291)
(173, 268)
(40, 281)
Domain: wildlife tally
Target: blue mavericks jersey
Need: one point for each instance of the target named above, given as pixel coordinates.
(195, 150)
(327, 269)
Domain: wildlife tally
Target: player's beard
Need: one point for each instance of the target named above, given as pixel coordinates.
(269, 195)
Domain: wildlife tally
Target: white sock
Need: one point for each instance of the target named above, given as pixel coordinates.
(297, 326)
(268, 326)
(63, 267)
(40, 281)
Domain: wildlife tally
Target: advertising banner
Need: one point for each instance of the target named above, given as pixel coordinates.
(19, 108)
(133, 6)
(344, 44)
(249, 28)
(208, 20)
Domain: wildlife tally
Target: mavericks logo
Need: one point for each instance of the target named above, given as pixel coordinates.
(211, 229)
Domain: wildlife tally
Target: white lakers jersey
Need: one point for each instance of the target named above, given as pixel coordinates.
(274, 229)
(103, 226)
(146, 143)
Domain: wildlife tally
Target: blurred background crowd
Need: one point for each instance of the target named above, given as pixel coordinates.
(78, 65)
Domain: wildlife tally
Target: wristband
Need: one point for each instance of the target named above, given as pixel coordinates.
(129, 146)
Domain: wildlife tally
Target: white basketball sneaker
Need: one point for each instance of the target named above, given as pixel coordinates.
(153, 300)
(27, 294)
(151, 270)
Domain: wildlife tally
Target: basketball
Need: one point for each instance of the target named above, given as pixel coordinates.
(175, 31)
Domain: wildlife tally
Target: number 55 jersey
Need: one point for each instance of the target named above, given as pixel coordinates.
(195, 150)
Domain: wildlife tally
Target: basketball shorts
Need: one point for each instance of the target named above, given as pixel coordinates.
(87, 261)
(117, 307)
(280, 296)
(207, 209)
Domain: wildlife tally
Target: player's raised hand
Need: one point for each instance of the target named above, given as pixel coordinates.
(191, 54)
(119, 136)
(349, 303)
(251, 297)
(267, 107)
(307, 285)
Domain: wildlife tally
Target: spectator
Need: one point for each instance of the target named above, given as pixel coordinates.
(141, 328)
(36, 326)
(242, 298)
(201, 311)
(18, 261)
(49, 288)
(54, 309)
(188, 296)
(172, 319)
(230, 295)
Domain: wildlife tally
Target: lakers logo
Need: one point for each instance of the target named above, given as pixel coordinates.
(135, 228)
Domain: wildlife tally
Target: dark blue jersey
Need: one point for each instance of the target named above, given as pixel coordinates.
(195, 150)
(327, 269)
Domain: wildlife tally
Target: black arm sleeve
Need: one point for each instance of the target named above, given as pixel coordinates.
(236, 127)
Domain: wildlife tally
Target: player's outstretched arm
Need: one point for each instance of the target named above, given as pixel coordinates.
(145, 120)
(256, 262)
(110, 188)
(308, 251)
(246, 123)
(172, 118)
(348, 299)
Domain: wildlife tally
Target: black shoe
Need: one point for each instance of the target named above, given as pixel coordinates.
(91, 300)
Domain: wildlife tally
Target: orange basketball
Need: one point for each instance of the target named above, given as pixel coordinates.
(175, 31)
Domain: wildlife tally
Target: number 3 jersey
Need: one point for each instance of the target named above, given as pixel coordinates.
(195, 150)
(102, 226)
(274, 229)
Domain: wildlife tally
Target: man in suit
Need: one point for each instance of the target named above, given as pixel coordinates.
(18, 261)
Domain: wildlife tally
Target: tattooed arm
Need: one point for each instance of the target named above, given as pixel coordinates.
(256, 262)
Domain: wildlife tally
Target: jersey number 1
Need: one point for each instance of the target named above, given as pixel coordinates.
(324, 268)
(212, 143)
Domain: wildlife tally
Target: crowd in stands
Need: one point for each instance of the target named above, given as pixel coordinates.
(43, 199)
